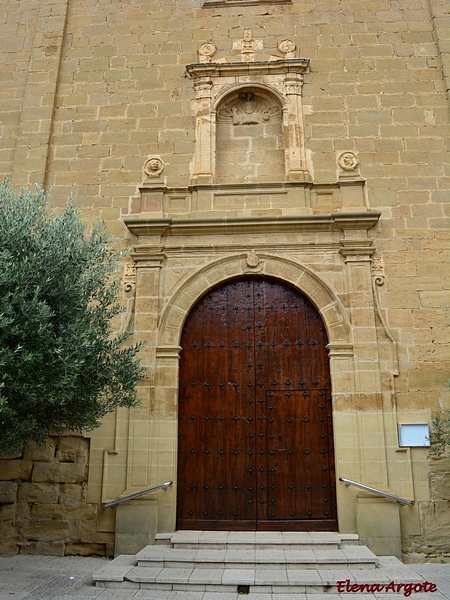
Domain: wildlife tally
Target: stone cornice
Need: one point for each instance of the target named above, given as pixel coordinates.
(142, 226)
(246, 188)
(220, 3)
(233, 69)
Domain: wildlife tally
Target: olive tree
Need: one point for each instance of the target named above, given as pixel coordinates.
(62, 367)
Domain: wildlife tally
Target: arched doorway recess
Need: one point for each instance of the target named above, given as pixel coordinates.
(255, 448)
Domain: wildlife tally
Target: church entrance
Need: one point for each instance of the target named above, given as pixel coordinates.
(255, 448)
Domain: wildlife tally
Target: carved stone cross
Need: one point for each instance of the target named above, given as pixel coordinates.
(247, 46)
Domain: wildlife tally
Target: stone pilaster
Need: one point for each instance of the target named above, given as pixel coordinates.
(148, 267)
(204, 132)
(295, 159)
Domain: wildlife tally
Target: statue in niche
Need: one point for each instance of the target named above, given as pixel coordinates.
(249, 109)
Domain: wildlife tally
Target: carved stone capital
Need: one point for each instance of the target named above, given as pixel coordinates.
(340, 349)
(293, 84)
(203, 87)
(357, 250)
(168, 352)
(147, 258)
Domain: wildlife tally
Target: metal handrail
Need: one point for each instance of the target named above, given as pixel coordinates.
(163, 486)
(401, 501)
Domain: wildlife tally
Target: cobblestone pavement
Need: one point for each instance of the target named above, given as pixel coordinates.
(70, 578)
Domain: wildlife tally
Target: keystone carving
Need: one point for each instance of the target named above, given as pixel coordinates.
(252, 263)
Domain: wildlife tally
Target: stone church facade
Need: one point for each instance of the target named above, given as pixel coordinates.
(294, 148)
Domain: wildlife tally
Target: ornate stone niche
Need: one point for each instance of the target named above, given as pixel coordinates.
(249, 157)
(263, 95)
(249, 139)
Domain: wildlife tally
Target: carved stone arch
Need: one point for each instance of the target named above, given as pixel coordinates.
(234, 90)
(321, 294)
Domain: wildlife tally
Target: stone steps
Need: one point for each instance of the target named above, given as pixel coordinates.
(272, 562)
(248, 558)
(237, 540)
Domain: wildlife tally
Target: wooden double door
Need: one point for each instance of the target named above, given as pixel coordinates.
(255, 448)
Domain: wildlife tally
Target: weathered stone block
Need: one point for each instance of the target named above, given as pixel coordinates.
(81, 512)
(85, 550)
(89, 533)
(38, 493)
(47, 548)
(46, 530)
(15, 469)
(59, 472)
(9, 548)
(7, 512)
(8, 492)
(435, 522)
(72, 450)
(439, 477)
(43, 453)
(72, 494)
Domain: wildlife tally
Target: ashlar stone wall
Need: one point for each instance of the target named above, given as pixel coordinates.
(91, 89)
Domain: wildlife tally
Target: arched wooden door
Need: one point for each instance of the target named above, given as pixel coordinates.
(255, 447)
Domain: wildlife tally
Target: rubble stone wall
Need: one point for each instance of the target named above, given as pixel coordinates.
(434, 544)
(43, 507)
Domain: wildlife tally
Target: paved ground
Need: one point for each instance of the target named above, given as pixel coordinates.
(54, 578)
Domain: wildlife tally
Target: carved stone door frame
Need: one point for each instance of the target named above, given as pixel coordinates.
(363, 419)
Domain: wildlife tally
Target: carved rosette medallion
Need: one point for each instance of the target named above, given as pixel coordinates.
(348, 161)
(153, 167)
(206, 51)
(287, 48)
(249, 109)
